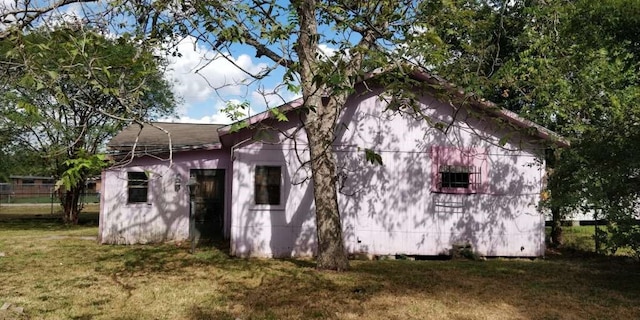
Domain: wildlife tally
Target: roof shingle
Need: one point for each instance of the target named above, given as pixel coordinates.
(182, 135)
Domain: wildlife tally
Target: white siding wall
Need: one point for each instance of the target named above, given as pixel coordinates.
(165, 217)
(390, 209)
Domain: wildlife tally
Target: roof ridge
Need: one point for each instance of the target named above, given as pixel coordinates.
(422, 75)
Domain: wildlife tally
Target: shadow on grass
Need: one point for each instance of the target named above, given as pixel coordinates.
(293, 288)
(220, 244)
(201, 313)
(300, 291)
(617, 273)
(44, 223)
(590, 285)
(172, 259)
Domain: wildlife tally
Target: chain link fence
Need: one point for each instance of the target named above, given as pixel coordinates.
(40, 193)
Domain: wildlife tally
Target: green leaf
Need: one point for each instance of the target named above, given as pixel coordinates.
(281, 117)
(235, 127)
(372, 157)
(503, 141)
(53, 75)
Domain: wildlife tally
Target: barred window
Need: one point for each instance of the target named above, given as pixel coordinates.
(458, 170)
(455, 176)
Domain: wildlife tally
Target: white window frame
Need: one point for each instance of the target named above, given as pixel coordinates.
(268, 207)
(129, 202)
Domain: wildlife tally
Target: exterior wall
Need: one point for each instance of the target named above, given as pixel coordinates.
(272, 231)
(391, 209)
(165, 216)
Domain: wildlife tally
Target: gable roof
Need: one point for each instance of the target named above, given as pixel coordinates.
(183, 136)
(480, 104)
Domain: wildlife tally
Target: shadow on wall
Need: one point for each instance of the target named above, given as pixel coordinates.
(285, 230)
(390, 209)
(164, 217)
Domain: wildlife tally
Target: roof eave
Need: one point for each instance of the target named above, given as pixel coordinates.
(492, 108)
(267, 114)
(164, 147)
(487, 106)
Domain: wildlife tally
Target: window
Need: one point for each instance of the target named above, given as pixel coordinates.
(138, 185)
(458, 170)
(455, 176)
(267, 185)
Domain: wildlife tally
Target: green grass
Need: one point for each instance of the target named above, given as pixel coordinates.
(580, 239)
(59, 272)
(29, 199)
(43, 198)
(577, 237)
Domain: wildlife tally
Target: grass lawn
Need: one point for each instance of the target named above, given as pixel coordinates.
(58, 272)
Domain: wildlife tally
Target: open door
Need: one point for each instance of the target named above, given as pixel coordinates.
(207, 218)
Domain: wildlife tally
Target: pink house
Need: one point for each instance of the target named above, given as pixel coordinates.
(451, 176)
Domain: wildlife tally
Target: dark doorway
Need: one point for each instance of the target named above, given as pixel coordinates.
(208, 203)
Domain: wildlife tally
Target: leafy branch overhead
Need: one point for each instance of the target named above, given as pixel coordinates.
(79, 168)
(363, 36)
(372, 157)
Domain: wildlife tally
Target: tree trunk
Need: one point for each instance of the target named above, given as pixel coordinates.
(556, 227)
(70, 200)
(319, 125)
(331, 253)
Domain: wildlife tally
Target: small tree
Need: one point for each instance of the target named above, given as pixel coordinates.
(71, 88)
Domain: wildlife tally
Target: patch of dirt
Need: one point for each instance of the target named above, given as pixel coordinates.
(91, 238)
(11, 312)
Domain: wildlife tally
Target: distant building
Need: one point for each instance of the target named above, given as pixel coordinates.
(31, 184)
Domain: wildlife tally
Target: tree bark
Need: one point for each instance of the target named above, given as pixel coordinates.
(70, 200)
(556, 227)
(331, 253)
(319, 125)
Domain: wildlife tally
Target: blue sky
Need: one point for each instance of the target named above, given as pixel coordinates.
(203, 80)
(206, 81)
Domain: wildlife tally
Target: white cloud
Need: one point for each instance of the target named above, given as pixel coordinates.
(79, 13)
(271, 97)
(326, 51)
(199, 74)
(217, 117)
(206, 80)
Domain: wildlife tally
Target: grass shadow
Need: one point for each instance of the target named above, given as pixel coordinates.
(45, 222)
(302, 263)
(220, 244)
(171, 259)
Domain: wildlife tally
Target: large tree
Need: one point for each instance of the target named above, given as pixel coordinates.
(577, 73)
(69, 88)
(573, 67)
(364, 36)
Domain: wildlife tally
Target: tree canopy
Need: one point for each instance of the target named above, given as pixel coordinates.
(69, 89)
(569, 65)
